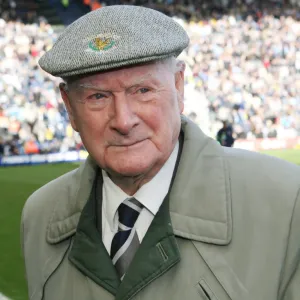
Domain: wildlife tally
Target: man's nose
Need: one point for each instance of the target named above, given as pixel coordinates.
(124, 117)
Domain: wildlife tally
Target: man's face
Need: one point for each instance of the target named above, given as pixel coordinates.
(128, 119)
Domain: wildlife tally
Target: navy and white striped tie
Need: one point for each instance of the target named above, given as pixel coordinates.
(125, 242)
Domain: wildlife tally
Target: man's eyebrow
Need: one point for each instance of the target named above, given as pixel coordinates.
(87, 86)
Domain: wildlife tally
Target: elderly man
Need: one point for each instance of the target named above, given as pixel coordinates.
(158, 210)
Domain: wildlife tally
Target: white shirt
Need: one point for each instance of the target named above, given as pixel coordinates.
(150, 195)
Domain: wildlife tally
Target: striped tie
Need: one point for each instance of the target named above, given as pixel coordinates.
(125, 242)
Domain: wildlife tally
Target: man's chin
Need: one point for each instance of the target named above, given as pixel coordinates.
(129, 171)
(130, 167)
(131, 163)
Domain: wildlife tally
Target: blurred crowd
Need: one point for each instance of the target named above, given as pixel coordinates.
(247, 72)
(32, 115)
(8, 9)
(244, 70)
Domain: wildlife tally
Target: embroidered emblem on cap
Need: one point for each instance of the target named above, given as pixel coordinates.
(101, 43)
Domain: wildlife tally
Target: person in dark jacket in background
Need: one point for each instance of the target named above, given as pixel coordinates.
(1, 147)
(225, 135)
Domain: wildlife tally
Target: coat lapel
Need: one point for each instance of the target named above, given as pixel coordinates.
(66, 213)
(200, 200)
(88, 252)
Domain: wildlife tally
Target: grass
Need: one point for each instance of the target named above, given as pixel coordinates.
(291, 155)
(16, 184)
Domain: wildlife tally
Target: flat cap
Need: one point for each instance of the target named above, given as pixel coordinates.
(112, 37)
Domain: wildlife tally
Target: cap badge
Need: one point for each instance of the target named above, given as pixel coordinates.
(101, 44)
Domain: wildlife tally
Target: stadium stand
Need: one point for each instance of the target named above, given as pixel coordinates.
(241, 67)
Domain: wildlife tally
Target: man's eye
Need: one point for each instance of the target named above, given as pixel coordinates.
(143, 90)
(97, 96)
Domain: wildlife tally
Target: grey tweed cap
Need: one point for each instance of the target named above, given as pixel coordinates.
(113, 37)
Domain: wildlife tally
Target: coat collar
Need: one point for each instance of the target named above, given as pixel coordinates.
(200, 199)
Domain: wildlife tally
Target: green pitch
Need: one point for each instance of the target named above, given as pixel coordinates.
(16, 184)
(291, 155)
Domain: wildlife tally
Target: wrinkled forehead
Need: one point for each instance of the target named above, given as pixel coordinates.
(137, 74)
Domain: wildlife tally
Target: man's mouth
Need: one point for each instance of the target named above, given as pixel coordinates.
(128, 144)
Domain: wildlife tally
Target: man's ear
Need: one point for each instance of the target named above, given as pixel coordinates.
(70, 109)
(179, 83)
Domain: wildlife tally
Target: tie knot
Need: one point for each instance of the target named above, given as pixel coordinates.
(129, 211)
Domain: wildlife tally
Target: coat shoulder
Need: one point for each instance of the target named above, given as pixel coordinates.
(269, 183)
(268, 190)
(268, 168)
(43, 200)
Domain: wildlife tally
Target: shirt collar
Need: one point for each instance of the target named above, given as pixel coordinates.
(151, 195)
(113, 196)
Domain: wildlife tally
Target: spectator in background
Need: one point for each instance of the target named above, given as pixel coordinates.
(30, 106)
(225, 135)
(1, 147)
(15, 145)
(8, 9)
(31, 147)
(65, 3)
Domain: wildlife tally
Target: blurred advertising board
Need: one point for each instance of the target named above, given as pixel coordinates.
(64, 157)
(268, 144)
